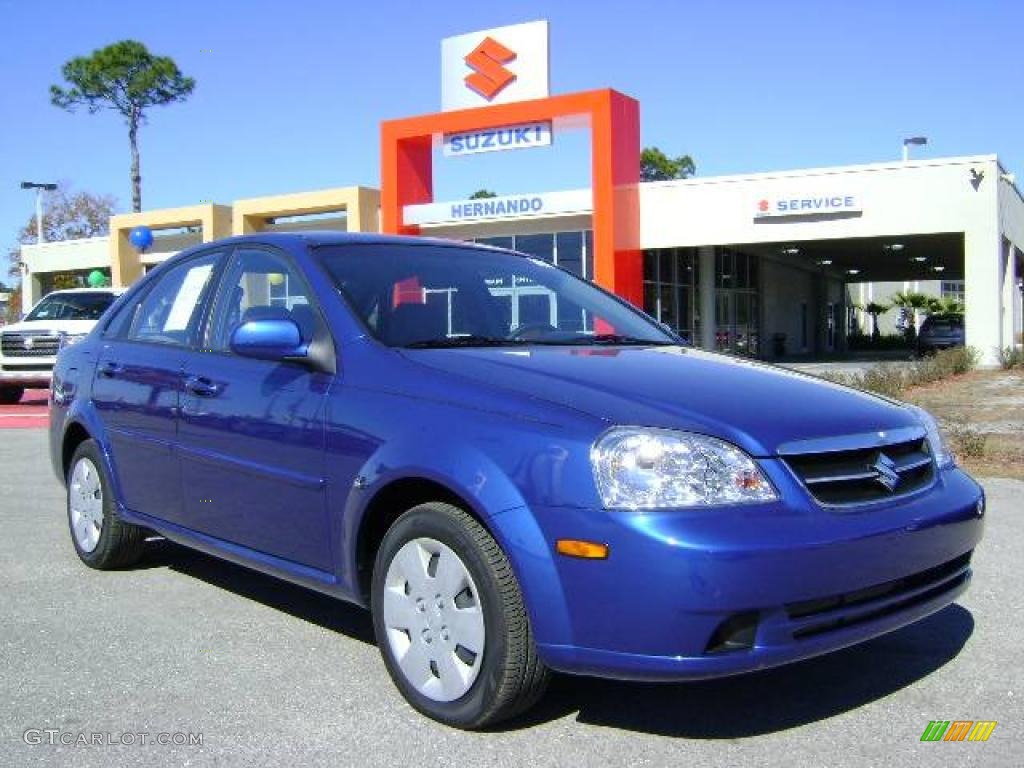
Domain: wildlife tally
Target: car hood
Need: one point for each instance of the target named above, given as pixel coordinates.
(50, 326)
(760, 407)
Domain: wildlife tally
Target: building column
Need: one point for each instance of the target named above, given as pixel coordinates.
(842, 319)
(983, 293)
(706, 296)
(1018, 300)
(863, 318)
(31, 292)
(818, 311)
(1010, 295)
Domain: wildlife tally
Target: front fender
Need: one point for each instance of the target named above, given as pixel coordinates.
(494, 499)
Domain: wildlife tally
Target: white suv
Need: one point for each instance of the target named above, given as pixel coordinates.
(28, 349)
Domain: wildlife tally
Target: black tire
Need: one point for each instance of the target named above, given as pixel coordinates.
(120, 544)
(512, 677)
(11, 395)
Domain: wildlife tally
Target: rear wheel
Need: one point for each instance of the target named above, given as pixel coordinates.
(450, 620)
(101, 540)
(11, 395)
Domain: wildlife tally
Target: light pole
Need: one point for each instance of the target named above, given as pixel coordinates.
(39, 187)
(917, 141)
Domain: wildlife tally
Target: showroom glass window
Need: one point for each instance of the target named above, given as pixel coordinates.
(737, 302)
(572, 250)
(952, 289)
(670, 289)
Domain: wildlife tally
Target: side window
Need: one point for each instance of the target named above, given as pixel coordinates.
(118, 324)
(169, 312)
(260, 284)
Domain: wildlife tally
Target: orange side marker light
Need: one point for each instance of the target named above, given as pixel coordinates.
(588, 550)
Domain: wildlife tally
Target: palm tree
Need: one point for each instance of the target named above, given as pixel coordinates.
(947, 305)
(914, 302)
(875, 309)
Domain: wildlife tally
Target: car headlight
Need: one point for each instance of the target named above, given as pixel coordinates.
(944, 458)
(646, 468)
(67, 339)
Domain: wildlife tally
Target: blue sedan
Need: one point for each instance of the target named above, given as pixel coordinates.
(515, 471)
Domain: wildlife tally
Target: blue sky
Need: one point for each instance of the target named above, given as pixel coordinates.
(290, 95)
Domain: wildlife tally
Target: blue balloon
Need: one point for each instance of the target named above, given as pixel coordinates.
(141, 238)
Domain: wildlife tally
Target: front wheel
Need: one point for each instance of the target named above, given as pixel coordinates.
(100, 538)
(11, 395)
(450, 620)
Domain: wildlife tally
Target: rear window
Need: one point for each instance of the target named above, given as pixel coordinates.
(945, 323)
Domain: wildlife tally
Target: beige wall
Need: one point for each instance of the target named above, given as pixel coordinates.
(361, 206)
(357, 209)
(126, 263)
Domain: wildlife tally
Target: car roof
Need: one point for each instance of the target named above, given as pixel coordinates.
(318, 238)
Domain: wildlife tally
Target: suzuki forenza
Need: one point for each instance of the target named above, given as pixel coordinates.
(515, 471)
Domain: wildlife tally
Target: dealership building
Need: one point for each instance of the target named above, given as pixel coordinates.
(766, 264)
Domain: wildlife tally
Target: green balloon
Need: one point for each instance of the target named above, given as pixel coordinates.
(96, 279)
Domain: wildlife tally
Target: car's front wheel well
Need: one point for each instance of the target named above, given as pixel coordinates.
(74, 436)
(387, 506)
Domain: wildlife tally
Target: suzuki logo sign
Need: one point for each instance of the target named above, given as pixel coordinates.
(496, 139)
(489, 77)
(495, 66)
(885, 472)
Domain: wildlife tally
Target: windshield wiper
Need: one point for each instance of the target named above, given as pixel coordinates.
(615, 338)
(465, 341)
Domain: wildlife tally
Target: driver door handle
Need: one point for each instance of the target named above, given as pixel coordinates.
(110, 369)
(200, 386)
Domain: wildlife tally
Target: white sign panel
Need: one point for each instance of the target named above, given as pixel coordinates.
(507, 207)
(188, 297)
(495, 66)
(498, 139)
(807, 204)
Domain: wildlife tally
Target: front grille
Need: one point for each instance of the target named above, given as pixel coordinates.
(865, 474)
(29, 344)
(918, 588)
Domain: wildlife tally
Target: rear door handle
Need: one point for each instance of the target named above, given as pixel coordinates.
(200, 386)
(110, 369)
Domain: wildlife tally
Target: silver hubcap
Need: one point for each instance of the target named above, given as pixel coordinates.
(85, 505)
(434, 620)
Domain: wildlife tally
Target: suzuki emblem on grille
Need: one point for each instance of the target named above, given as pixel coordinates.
(28, 342)
(489, 77)
(885, 472)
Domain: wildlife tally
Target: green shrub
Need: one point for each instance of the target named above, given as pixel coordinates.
(891, 380)
(965, 439)
(1011, 357)
(942, 365)
(884, 380)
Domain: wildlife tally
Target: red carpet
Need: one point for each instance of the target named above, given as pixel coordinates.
(30, 413)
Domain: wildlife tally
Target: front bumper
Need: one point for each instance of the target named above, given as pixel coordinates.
(34, 374)
(808, 580)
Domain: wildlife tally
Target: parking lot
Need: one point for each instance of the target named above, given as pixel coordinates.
(270, 673)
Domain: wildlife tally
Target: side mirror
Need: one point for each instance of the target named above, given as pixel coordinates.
(279, 340)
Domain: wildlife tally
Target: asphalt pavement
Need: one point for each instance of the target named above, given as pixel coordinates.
(185, 647)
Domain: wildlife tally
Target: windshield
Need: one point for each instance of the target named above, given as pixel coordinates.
(72, 306)
(447, 296)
